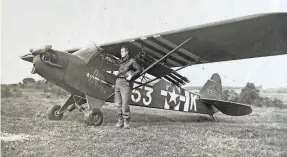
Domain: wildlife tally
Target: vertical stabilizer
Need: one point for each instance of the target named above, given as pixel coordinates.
(212, 89)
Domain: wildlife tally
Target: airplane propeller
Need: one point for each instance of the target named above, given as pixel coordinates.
(34, 52)
(28, 57)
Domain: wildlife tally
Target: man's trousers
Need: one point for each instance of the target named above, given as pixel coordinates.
(122, 98)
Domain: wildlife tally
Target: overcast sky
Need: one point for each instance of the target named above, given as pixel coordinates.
(66, 24)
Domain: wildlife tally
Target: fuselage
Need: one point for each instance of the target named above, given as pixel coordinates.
(81, 78)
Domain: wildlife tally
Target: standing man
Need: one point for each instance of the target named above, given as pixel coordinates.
(129, 68)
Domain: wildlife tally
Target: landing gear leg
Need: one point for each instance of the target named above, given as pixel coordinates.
(213, 118)
(56, 112)
(94, 115)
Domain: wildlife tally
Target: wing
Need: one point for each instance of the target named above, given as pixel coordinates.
(241, 38)
(246, 37)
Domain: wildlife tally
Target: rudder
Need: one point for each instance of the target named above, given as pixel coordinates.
(212, 89)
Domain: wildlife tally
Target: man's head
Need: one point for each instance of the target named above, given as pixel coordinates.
(124, 51)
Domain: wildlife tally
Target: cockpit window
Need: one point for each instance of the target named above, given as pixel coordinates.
(89, 52)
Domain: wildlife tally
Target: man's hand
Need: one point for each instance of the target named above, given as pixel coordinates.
(129, 78)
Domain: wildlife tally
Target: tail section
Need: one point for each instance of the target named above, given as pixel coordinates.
(229, 108)
(212, 89)
(211, 94)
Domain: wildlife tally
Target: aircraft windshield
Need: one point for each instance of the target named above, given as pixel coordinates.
(89, 52)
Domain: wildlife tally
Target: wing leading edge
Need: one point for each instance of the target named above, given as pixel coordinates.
(240, 38)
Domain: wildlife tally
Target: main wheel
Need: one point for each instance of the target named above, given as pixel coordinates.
(52, 113)
(95, 117)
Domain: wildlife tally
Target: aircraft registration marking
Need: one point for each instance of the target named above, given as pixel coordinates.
(213, 93)
(137, 97)
(176, 100)
(96, 78)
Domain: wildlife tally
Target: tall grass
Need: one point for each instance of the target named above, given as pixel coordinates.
(14, 90)
(10, 91)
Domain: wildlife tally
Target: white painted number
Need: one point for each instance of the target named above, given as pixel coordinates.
(137, 98)
(148, 94)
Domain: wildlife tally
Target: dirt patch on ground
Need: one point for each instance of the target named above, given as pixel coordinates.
(8, 137)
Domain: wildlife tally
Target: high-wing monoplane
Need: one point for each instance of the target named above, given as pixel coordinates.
(89, 73)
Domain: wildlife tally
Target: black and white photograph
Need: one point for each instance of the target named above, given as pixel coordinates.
(143, 78)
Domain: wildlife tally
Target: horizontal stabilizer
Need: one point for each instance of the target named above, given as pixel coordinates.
(229, 108)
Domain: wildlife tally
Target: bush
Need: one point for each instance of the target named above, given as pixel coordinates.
(28, 80)
(267, 102)
(41, 85)
(249, 94)
(278, 103)
(21, 85)
(230, 95)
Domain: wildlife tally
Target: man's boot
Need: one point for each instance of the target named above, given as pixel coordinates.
(127, 123)
(120, 122)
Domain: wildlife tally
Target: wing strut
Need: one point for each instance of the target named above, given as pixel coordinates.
(163, 58)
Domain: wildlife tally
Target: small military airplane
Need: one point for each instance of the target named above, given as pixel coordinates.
(89, 73)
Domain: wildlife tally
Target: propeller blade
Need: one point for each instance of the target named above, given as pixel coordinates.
(28, 58)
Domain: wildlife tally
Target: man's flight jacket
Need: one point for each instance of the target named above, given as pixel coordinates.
(129, 65)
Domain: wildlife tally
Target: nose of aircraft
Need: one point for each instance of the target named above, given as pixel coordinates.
(28, 58)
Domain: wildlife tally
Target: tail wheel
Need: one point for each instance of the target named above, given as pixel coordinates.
(53, 114)
(95, 117)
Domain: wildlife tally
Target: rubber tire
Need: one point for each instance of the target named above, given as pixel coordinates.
(51, 113)
(95, 112)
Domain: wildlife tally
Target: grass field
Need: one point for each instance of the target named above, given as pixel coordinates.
(153, 133)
